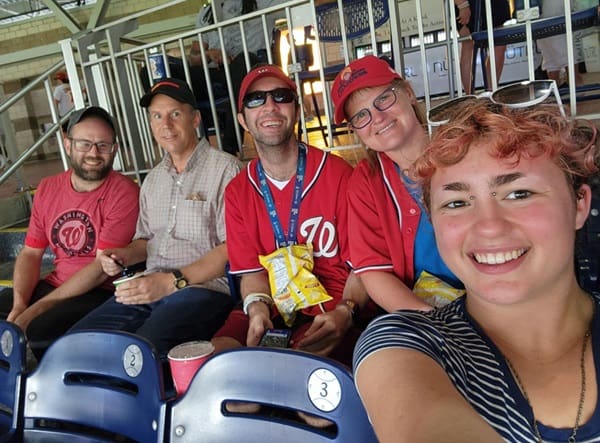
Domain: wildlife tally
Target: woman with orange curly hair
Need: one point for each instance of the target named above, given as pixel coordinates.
(516, 358)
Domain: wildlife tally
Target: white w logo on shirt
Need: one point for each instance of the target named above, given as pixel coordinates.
(322, 235)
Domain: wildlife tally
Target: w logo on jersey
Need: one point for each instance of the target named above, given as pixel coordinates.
(322, 234)
(74, 233)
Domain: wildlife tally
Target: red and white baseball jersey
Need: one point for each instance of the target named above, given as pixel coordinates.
(382, 220)
(322, 220)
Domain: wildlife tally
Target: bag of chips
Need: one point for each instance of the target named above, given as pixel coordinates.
(293, 285)
(435, 291)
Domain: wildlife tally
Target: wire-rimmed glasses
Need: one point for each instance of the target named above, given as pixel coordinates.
(517, 95)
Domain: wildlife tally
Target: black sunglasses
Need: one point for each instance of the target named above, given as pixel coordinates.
(258, 98)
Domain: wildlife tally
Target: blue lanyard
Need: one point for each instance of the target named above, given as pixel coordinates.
(297, 197)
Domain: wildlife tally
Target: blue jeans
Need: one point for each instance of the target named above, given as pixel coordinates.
(188, 314)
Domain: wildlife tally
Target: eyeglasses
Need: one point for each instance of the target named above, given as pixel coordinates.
(383, 101)
(516, 95)
(258, 98)
(83, 145)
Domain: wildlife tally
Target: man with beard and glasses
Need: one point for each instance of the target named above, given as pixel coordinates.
(77, 214)
(293, 194)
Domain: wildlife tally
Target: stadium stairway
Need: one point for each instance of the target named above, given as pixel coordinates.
(14, 218)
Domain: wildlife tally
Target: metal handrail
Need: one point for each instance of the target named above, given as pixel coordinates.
(39, 79)
(29, 151)
(53, 131)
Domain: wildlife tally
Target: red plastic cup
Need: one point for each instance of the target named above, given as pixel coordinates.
(185, 360)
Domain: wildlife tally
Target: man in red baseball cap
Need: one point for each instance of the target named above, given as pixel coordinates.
(292, 194)
(62, 95)
(62, 76)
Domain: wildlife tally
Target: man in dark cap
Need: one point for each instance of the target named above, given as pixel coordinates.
(77, 214)
(183, 295)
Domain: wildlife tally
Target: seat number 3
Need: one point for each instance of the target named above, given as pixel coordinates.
(324, 390)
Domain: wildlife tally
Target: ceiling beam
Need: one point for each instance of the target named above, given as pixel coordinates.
(174, 25)
(9, 11)
(98, 15)
(62, 15)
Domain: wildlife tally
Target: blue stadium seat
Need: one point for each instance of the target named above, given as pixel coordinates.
(356, 19)
(284, 382)
(12, 373)
(587, 245)
(541, 28)
(96, 386)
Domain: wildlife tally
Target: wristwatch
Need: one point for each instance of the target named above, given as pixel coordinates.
(180, 281)
(352, 306)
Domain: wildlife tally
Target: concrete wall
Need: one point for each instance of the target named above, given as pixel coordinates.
(29, 114)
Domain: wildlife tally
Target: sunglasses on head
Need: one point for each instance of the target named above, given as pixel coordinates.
(255, 99)
(516, 95)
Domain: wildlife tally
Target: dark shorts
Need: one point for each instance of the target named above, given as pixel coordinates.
(237, 324)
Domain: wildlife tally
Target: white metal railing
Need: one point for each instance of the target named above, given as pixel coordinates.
(111, 72)
(109, 66)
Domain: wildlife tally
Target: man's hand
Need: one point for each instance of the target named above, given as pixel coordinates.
(260, 320)
(195, 57)
(15, 312)
(464, 15)
(112, 261)
(22, 317)
(326, 331)
(215, 55)
(146, 289)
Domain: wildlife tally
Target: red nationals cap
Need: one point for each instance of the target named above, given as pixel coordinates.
(366, 72)
(260, 72)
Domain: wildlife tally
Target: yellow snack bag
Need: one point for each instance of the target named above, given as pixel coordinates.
(435, 291)
(293, 285)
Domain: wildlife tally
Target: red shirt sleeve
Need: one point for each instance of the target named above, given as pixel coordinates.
(121, 215)
(368, 241)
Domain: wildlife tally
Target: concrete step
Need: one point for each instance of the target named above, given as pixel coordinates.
(11, 242)
(15, 210)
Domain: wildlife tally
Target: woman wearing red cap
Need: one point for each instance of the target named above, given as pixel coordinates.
(391, 239)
